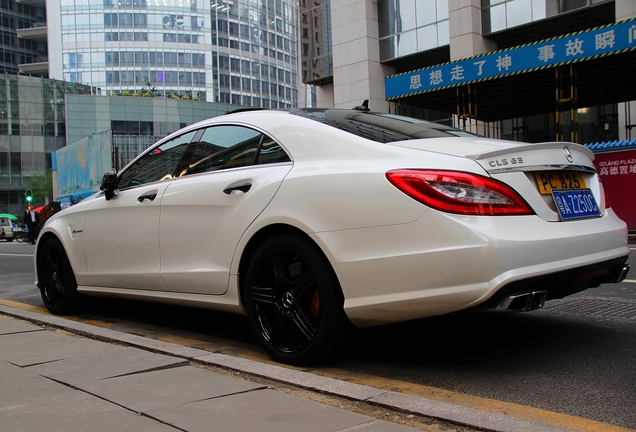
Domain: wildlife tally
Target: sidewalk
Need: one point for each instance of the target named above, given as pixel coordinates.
(101, 380)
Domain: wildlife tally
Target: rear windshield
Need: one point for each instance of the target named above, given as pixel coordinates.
(383, 128)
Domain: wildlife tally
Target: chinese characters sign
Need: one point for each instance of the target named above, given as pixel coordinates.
(617, 171)
(553, 52)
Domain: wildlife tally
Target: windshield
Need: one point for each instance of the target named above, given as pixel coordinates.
(383, 128)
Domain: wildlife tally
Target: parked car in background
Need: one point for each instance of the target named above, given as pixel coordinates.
(307, 220)
(6, 229)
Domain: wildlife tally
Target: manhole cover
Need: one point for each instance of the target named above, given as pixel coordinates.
(595, 307)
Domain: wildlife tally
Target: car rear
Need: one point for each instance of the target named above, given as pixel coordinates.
(547, 232)
(6, 229)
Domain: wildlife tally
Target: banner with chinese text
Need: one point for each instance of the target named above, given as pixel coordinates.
(618, 174)
(575, 47)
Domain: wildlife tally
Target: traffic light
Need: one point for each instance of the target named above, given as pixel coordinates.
(29, 196)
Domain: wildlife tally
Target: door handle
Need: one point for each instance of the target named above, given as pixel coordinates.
(149, 196)
(238, 190)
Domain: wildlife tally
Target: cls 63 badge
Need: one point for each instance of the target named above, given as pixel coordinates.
(505, 162)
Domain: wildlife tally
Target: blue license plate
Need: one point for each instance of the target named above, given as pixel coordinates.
(575, 203)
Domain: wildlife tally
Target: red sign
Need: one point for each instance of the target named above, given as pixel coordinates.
(618, 174)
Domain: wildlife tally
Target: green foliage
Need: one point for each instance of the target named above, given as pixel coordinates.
(42, 187)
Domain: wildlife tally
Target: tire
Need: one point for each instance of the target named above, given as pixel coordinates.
(56, 279)
(293, 301)
(9, 239)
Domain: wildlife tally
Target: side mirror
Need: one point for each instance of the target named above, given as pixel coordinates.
(109, 184)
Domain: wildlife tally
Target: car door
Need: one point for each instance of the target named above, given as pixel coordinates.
(233, 175)
(121, 235)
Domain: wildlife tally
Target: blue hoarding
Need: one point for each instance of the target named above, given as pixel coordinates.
(81, 165)
(574, 47)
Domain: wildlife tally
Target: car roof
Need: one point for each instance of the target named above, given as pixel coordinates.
(379, 127)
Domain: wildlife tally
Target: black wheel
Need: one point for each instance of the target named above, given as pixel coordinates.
(10, 239)
(293, 301)
(56, 279)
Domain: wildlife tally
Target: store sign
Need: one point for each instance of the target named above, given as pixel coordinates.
(575, 47)
(617, 171)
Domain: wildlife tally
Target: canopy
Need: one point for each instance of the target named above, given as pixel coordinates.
(9, 216)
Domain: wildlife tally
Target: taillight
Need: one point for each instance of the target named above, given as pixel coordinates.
(606, 196)
(459, 192)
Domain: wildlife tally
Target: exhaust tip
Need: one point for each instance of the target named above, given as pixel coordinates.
(618, 274)
(523, 302)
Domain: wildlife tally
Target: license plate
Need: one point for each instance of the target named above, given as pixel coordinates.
(548, 180)
(575, 203)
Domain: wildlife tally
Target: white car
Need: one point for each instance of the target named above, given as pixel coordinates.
(6, 229)
(308, 219)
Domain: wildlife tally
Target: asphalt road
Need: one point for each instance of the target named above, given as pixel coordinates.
(574, 358)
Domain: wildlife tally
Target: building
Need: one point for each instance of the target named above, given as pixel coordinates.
(240, 52)
(172, 54)
(15, 50)
(564, 65)
(32, 128)
(40, 117)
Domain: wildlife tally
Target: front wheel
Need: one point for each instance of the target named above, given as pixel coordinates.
(56, 279)
(293, 301)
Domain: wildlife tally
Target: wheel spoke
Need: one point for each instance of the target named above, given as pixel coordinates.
(53, 265)
(303, 324)
(301, 284)
(277, 330)
(278, 267)
(263, 295)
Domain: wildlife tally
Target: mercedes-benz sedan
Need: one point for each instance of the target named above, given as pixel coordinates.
(307, 220)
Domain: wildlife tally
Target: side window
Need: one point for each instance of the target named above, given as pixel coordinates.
(271, 152)
(158, 164)
(223, 147)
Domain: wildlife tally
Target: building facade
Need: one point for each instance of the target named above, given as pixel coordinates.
(40, 116)
(374, 43)
(15, 50)
(241, 52)
(174, 55)
(32, 128)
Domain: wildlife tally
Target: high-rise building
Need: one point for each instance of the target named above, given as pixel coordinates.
(228, 52)
(15, 17)
(528, 70)
(241, 52)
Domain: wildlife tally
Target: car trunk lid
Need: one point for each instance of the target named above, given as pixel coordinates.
(547, 175)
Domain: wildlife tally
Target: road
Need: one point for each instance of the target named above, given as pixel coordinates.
(571, 362)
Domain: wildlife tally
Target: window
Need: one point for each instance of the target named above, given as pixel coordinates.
(223, 147)
(158, 164)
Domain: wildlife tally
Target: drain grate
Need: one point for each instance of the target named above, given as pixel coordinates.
(595, 307)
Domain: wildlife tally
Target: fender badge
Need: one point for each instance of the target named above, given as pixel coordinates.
(568, 154)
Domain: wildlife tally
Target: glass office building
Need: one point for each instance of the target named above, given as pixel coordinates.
(239, 52)
(15, 50)
(32, 127)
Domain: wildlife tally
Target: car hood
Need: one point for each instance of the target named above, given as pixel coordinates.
(499, 155)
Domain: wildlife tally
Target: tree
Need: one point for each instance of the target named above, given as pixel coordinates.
(42, 187)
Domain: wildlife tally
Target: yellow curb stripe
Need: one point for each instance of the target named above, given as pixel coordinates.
(44, 311)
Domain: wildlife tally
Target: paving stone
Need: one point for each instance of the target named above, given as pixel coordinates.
(13, 326)
(165, 388)
(263, 411)
(117, 362)
(32, 348)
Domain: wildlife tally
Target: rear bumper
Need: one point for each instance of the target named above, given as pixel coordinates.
(442, 264)
(558, 285)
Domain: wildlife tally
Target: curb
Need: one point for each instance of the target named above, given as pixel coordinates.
(430, 408)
